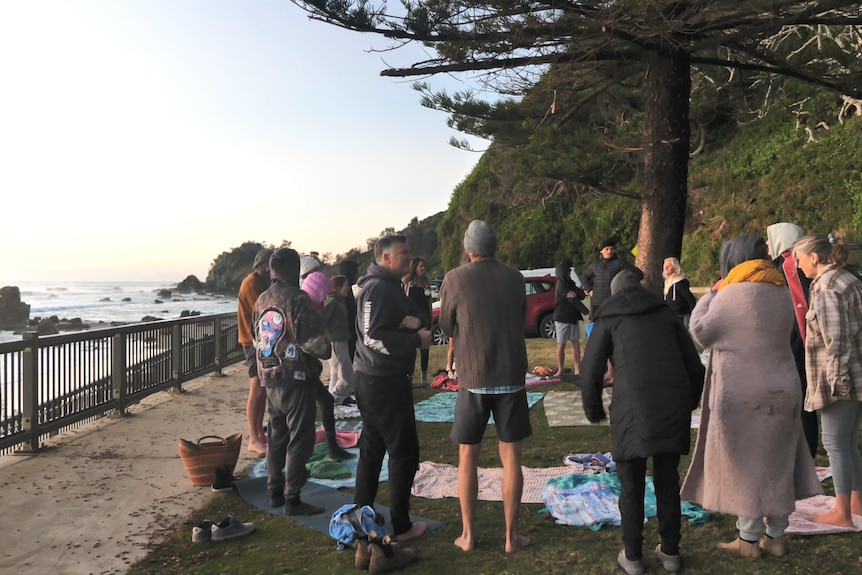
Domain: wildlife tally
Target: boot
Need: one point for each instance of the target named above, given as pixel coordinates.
(363, 554)
(742, 548)
(425, 381)
(336, 452)
(774, 545)
(386, 558)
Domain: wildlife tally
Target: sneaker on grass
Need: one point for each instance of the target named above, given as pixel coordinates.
(202, 531)
(230, 527)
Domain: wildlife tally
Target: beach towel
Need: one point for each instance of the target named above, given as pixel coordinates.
(806, 509)
(258, 469)
(566, 409)
(440, 408)
(443, 382)
(439, 480)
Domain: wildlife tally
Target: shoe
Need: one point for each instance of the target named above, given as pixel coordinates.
(671, 563)
(299, 507)
(335, 451)
(773, 545)
(223, 479)
(230, 527)
(202, 531)
(363, 554)
(742, 548)
(276, 499)
(425, 381)
(630, 567)
(389, 557)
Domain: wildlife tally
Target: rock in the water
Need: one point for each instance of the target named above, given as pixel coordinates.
(13, 312)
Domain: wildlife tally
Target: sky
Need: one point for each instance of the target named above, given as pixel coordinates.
(140, 139)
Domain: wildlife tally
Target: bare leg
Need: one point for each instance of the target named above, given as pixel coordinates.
(561, 359)
(609, 374)
(468, 493)
(254, 408)
(840, 514)
(513, 487)
(576, 357)
(856, 502)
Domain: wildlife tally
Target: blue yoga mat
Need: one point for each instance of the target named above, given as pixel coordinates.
(258, 469)
(440, 408)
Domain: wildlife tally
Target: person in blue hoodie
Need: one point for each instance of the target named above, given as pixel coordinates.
(659, 382)
(388, 334)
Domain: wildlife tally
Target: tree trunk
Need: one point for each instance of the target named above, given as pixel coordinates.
(664, 187)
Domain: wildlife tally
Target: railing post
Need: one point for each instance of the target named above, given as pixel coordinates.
(30, 369)
(177, 355)
(119, 380)
(218, 343)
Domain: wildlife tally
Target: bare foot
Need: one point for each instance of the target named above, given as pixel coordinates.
(834, 517)
(465, 544)
(417, 530)
(519, 543)
(258, 447)
(558, 373)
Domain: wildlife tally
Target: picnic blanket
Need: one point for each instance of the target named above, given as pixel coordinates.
(444, 382)
(566, 409)
(439, 480)
(806, 509)
(258, 469)
(440, 407)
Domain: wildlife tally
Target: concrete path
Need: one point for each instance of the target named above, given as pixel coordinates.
(93, 499)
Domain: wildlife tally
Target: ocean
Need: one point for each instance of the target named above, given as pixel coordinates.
(98, 304)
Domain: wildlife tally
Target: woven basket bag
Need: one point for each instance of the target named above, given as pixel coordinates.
(201, 459)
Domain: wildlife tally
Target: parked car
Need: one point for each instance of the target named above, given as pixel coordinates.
(540, 286)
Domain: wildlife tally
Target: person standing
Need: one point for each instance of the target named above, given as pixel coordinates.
(659, 381)
(677, 290)
(568, 314)
(418, 290)
(389, 335)
(780, 238)
(350, 270)
(833, 360)
(254, 284)
(341, 377)
(750, 458)
(483, 306)
(289, 342)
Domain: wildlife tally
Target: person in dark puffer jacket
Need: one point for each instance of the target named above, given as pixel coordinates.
(659, 382)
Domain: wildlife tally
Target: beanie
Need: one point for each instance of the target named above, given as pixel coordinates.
(261, 260)
(317, 285)
(608, 243)
(480, 239)
(284, 266)
(307, 264)
(623, 280)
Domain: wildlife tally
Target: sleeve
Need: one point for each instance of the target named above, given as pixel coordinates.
(588, 278)
(309, 329)
(693, 366)
(687, 297)
(700, 324)
(380, 328)
(593, 365)
(833, 318)
(447, 309)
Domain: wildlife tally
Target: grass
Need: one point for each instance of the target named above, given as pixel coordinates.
(282, 546)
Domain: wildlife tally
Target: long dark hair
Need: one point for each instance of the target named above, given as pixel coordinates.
(413, 277)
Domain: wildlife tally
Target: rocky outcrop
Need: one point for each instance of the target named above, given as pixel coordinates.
(191, 285)
(13, 312)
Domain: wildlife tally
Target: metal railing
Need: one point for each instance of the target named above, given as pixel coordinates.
(52, 383)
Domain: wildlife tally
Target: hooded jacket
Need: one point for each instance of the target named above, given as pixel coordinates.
(598, 276)
(658, 376)
(383, 348)
(568, 310)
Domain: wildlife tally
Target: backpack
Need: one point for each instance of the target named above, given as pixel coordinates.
(350, 522)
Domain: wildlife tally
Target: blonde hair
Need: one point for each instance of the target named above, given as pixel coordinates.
(677, 267)
(830, 248)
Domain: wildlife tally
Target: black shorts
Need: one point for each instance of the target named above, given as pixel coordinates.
(250, 360)
(472, 410)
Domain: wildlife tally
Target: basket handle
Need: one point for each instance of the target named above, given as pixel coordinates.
(220, 441)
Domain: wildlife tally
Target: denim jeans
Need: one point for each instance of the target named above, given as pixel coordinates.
(840, 422)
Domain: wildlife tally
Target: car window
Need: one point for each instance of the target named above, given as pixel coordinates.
(537, 287)
(531, 289)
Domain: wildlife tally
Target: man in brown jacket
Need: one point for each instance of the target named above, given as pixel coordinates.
(483, 305)
(252, 286)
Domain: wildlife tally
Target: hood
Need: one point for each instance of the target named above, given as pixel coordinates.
(741, 249)
(782, 236)
(376, 271)
(633, 300)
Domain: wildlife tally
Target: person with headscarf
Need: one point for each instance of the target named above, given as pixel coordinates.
(677, 290)
(833, 360)
(780, 238)
(750, 458)
(659, 380)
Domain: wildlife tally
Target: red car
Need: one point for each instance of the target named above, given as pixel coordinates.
(540, 309)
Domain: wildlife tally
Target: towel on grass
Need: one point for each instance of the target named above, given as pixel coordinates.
(440, 407)
(566, 409)
(807, 509)
(258, 469)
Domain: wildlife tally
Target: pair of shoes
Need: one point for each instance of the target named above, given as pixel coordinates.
(299, 507)
(387, 556)
(230, 527)
(276, 499)
(223, 479)
(363, 554)
(635, 567)
(671, 563)
(773, 545)
(742, 548)
(202, 531)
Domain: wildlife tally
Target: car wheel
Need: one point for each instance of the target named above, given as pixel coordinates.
(547, 329)
(437, 335)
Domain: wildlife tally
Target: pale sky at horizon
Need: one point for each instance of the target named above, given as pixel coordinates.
(140, 139)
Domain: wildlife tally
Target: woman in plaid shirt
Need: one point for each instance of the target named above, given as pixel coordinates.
(833, 362)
